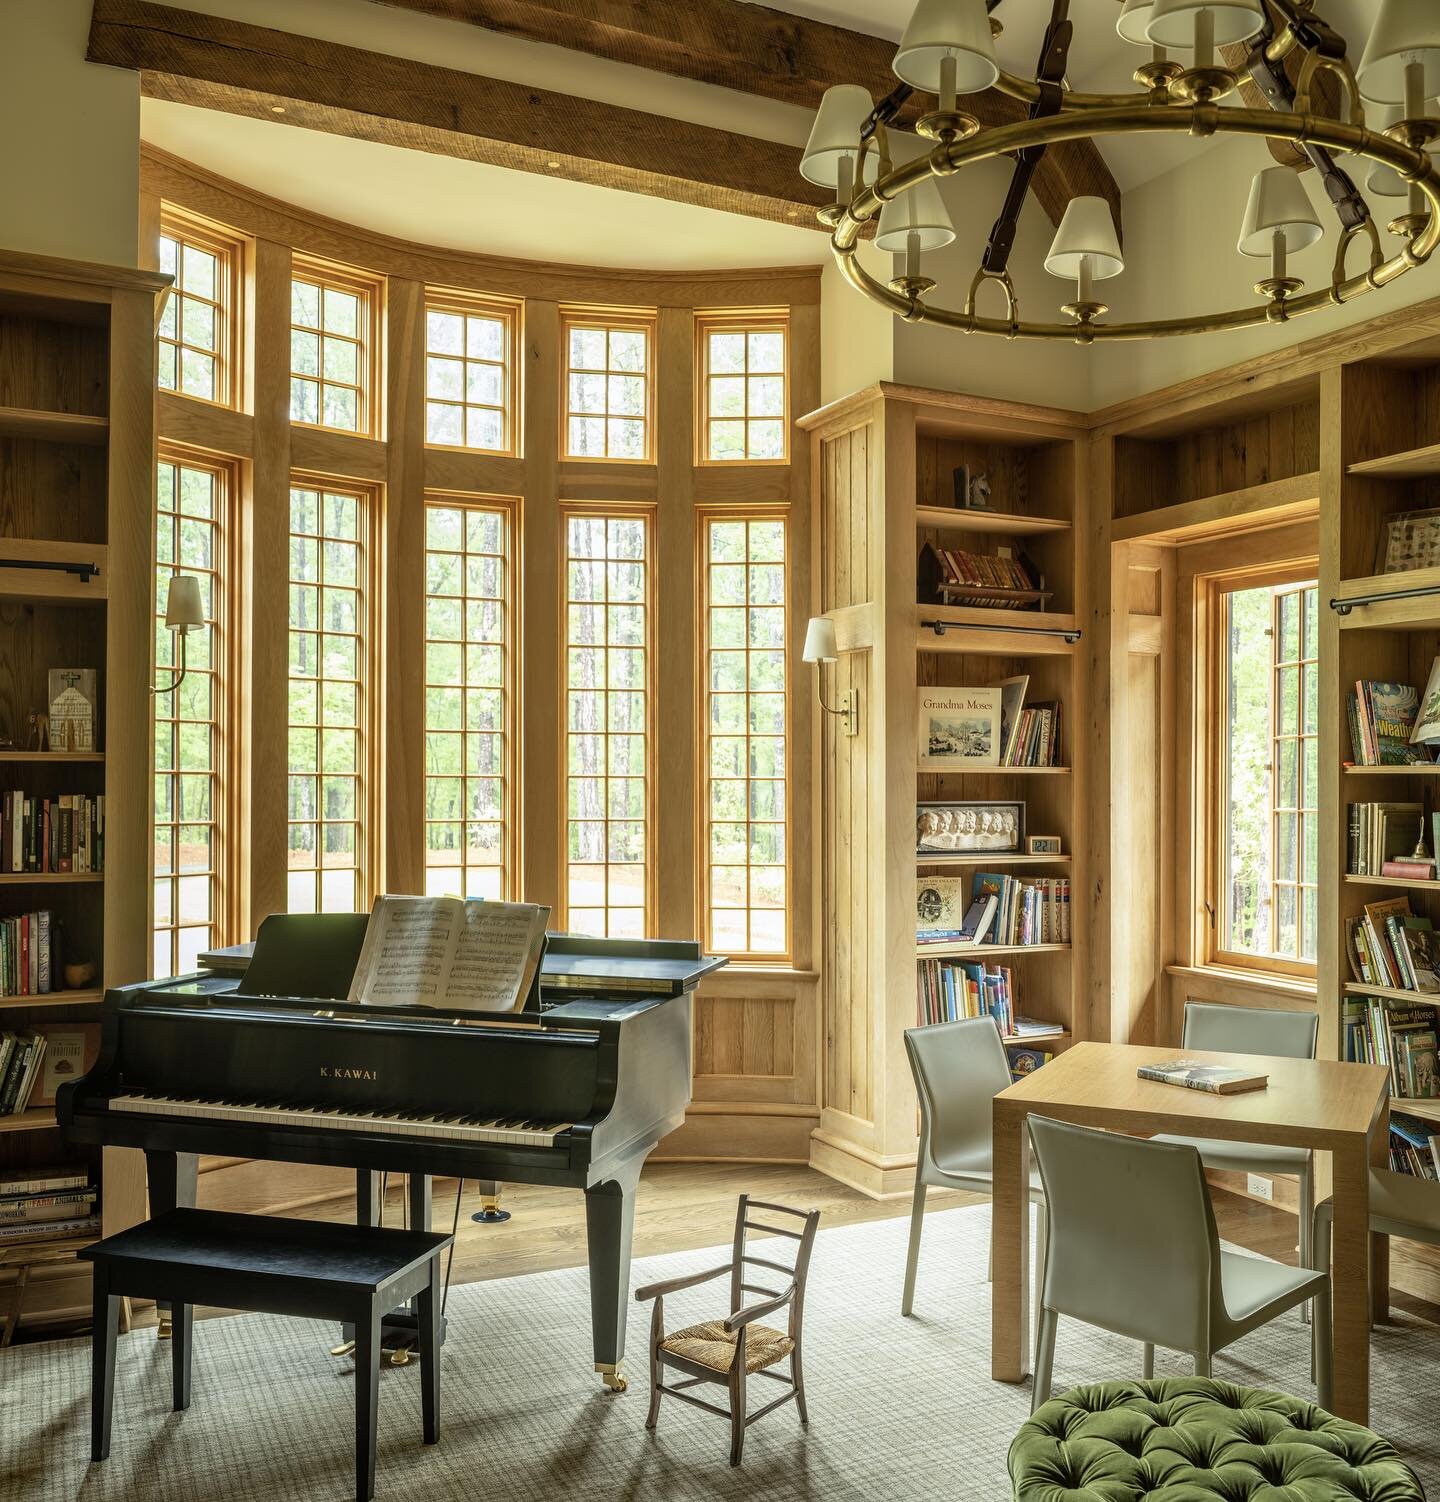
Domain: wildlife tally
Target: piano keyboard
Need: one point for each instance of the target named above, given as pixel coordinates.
(511, 1132)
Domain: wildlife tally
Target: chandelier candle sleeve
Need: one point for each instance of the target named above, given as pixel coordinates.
(1278, 218)
(834, 143)
(1406, 37)
(948, 49)
(1203, 25)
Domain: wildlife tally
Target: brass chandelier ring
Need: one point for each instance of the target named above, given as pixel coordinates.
(1203, 120)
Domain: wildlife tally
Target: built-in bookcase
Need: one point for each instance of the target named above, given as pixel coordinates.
(76, 482)
(885, 479)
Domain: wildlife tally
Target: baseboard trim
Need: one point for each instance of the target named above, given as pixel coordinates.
(889, 1177)
(739, 1136)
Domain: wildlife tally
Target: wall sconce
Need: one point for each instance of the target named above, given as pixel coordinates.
(183, 614)
(820, 647)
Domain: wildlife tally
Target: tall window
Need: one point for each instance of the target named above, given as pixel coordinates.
(327, 699)
(469, 372)
(333, 338)
(186, 858)
(469, 669)
(743, 388)
(607, 720)
(746, 819)
(608, 388)
(195, 343)
(1266, 857)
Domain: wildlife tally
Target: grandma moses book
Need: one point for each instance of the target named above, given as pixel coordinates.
(1214, 1079)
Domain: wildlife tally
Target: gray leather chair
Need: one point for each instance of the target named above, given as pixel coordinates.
(959, 1068)
(1133, 1249)
(1276, 1034)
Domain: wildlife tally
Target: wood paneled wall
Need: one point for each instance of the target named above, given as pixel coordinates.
(756, 1028)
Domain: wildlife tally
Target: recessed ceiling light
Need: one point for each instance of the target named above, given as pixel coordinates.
(552, 164)
(277, 109)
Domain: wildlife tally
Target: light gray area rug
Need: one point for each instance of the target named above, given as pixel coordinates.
(899, 1408)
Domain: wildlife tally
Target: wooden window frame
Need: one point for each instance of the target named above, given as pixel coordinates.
(510, 311)
(369, 802)
(509, 508)
(229, 248)
(626, 320)
(1212, 792)
(226, 704)
(706, 515)
(748, 321)
(609, 511)
(370, 289)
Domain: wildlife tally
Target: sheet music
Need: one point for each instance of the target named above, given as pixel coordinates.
(496, 952)
(442, 952)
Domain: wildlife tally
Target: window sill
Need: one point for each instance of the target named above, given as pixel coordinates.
(1300, 987)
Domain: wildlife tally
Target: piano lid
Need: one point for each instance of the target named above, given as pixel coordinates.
(314, 954)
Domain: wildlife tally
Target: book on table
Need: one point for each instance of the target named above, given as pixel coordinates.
(1194, 1074)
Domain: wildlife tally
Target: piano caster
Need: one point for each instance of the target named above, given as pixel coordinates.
(490, 1213)
(165, 1330)
(613, 1377)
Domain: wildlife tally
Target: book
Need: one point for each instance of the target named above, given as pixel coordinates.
(1025, 1061)
(1012, 704)
(33, 1209)
(939, 904)
(24, 1181)
(468, 955)
(70, 1050)
(50, 1230)
(1427, 714)
(959, 727)
(1214, 1079)
(1383, 719)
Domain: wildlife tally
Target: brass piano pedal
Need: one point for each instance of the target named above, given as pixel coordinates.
(400, 1356)
(343, 1349)
(165, 1330)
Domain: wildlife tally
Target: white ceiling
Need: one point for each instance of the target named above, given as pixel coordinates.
(441, 201)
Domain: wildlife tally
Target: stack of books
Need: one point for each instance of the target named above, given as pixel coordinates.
(983, 570)
(29, 954)
(46, 1204)
(1414, 1147)
(20, 1056)
(1026, 912)
(951, 990)
(1382, 834)
(60, 834)
(1382, 720)
(1388, 945)
(1399, 1038)
(1036, 738)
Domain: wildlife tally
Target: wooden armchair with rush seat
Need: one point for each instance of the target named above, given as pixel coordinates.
(727, 1351)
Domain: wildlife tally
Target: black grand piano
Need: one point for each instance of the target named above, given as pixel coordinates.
(272, 1063)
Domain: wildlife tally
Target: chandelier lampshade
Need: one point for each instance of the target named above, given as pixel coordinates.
(922, 212)
(1174, 23)
(1134, 21)
(1086, 241)
(942, 31)
(1278, 205)
(835, 136)
(1406, 31)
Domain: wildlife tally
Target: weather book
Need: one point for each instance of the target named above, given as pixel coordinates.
(1214, 1079)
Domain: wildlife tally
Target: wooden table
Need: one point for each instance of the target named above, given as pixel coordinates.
(1338, 1108)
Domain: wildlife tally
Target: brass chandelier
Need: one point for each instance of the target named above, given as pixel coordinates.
(948, 50)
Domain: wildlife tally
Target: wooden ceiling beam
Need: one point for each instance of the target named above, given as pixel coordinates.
(278, 76)
(756, 50)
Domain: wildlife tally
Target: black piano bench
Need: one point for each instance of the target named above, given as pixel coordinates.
(338, 1273)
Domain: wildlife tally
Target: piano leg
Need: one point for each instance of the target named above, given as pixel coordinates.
(609, 1227)
(489, 1213)
(171, 1179)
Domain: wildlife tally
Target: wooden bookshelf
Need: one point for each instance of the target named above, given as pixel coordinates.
(1411, 465)
(77, 449)
(1410, 882)
(876, 517)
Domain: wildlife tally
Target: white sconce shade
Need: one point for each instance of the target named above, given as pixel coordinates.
(183, 610)
(1173, 22)
(835, 136)
(1406, 31)
(921, 211)
(941, 29)
(1278, 204)
(820, 640)
(1086, 240)
(1134, 21)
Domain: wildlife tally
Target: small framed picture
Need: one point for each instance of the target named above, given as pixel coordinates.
(1042, 844)
(985, 828)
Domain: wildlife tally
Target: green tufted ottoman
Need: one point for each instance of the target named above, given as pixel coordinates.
(1191, 1439)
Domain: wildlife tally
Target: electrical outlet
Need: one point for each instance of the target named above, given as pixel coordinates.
(1261, 1188)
